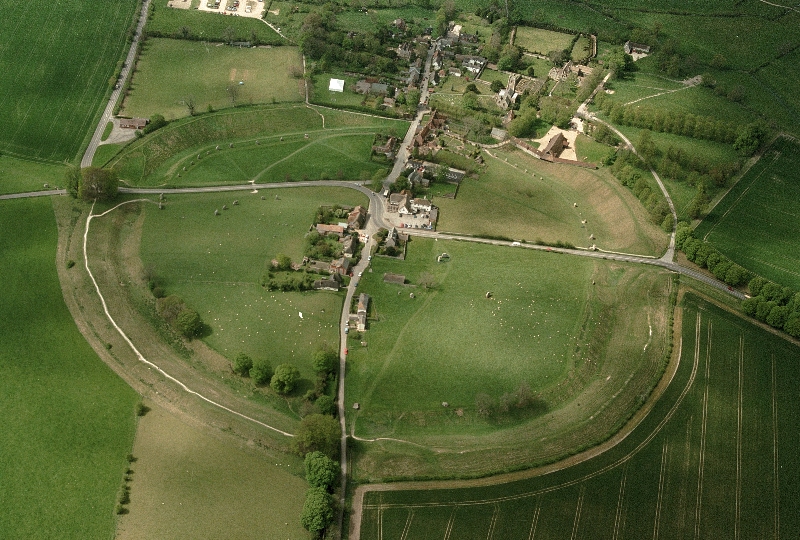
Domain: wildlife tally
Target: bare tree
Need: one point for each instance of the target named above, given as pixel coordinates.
(189, 101)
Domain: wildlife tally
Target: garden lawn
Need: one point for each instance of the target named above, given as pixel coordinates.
(538, 205)
(172, 73)
(545, 325)
(755, 224)
(716, 453)
(68, 420)
(190, 483)
(216, 264)
(58, 66)
(537, 40)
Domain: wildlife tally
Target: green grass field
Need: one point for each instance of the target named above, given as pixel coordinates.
(538, 205)
(68, 419)
(343, 144)
(537, 40)
(218, 272)
(715, 458)
(582, 49)
(545, 325)
(172, 73)
(56, 65)
(20, 175)
(755, 224)
(190, 483)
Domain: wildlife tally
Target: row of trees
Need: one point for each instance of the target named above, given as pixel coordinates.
(775, 305)
(706, 256)
(627, 168)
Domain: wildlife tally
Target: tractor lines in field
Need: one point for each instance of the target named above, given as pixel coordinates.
(660, 498)
(449, 530)
(776, 495)
(741, 195)
(619, 518)
(577, 520)
(535, 519)
(127, 340)
(737, 528)
(704, 423)
(407, 526)
(493, 523)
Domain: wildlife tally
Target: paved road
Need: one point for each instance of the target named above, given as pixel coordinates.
(88, 156)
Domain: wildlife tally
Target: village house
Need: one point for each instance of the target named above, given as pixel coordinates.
(421, 205)
(357, 217)
(349, 245)
(331, 283)
(394, 238)
(340, 266)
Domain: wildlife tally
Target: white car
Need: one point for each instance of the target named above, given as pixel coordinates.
(369, 258)
(515, 244)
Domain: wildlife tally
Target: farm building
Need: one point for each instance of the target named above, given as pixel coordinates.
(324, 229)
(133, 123)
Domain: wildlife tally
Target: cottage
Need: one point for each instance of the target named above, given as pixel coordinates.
(349, 246)
(396, 201)
(636, 48)
(340, 266)
(356, 218)
(325, 229)
(133, 123)
(329, 284)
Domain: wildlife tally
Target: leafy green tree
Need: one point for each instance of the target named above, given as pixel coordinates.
(750, 138)
(261, 372)
(326, 405)
(325, 361)
(496, 86)
(157, 121)
(317, 432)
(284, 262)
(242, 364)
(756, 284)
(777, 316)
(98, 184)
(792, 326)
(285, 378)
(321, 471)
(189, 323)
(317, 511)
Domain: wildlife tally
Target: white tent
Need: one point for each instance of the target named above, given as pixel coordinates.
(337, 85)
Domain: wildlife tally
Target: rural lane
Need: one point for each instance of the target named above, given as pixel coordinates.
(88, 156)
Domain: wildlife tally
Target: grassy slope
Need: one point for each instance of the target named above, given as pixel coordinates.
(686, 476)
(219, 271)
(508, 201)
(56, 65)
(545, 325)
(160, 157)
(171, 70)
(756, 223)
(67, 419)
(189, 484)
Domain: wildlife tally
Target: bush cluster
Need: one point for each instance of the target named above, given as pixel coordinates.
(775, 305)
(184, 319)
(627, 168)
